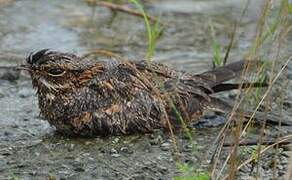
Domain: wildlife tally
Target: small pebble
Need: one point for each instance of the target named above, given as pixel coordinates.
(287, 104)
(116, 140)
(33, 173)
(25, 92)
(86, 154)
(113, 151)
(281, 173)
(245, 169)
(165, 146)
(11, 162)
(187, 148)
(155, 140)
(5, 152)
(21, 165)
(69, 157)
(88, 143)
(15, 126)
(126, 150)
(9, 73)
(146, 163)
(79, 169)
(77, 159)
(6, 133)
(162, 169)
(71, 148)
(115, 155)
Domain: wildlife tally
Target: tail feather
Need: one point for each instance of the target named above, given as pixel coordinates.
(218, 105)
(228, 86)
(228, 72)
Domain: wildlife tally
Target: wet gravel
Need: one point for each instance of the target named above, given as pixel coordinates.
(30, 148)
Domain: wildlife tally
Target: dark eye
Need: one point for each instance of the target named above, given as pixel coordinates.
(56, 71)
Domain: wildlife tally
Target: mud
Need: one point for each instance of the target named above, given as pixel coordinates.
(29, 147)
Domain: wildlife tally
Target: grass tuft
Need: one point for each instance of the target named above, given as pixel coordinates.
(153, 31)
(217, 56)
(190, 173)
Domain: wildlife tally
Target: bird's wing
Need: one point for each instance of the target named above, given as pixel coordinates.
(126, 102)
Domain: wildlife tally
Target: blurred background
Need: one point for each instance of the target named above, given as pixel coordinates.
(190, 35)
(80, 26)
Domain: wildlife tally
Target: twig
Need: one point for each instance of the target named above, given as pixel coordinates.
(125, 9)
(252, 115)
(256, 142)
(266, 94)
(284, 139)
(216, 154)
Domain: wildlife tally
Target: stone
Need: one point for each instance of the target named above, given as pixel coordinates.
(165, 146)
(25, 92)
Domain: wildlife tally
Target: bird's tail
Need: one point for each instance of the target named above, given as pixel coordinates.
(216, 77)
(218, 105)
(229, 86)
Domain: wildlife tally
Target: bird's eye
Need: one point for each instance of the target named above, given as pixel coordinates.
(56, 72)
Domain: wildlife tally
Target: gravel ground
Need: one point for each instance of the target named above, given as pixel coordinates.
(29, 147)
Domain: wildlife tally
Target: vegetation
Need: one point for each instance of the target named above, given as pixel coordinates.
(271, 32)
(217, 60)
(269, 45)
(153, 31)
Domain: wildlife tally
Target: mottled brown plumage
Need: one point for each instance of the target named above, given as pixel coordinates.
(87, 97)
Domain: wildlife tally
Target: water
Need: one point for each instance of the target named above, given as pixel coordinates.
(28, 146)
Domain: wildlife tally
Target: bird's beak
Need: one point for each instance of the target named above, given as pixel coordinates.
(23, 67)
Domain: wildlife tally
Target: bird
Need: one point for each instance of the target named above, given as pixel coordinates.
(87, 97)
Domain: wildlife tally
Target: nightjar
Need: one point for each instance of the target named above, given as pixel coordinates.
(110, 96)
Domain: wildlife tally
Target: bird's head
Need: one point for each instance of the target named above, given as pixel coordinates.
(53, 71)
